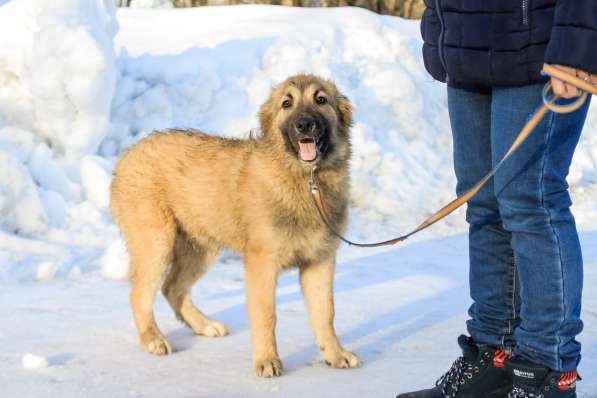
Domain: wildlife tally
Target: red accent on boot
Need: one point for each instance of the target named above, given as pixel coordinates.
(567, 380)
(499, 358)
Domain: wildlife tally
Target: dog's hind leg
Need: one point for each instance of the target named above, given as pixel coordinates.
(150, 246)
(191, 260)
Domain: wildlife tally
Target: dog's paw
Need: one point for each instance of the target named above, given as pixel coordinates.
(270, 367)
(158, 346)
(343, 360)
(212, 329)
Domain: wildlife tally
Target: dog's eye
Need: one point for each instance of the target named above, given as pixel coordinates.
(286, 104)
(321, 100)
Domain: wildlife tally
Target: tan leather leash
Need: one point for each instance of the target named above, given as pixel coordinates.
(549, 104)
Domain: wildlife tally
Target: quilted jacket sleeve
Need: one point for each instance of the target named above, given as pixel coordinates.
(573, 39)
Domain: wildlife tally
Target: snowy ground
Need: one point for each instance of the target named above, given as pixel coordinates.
(401, 310)
(78, 88)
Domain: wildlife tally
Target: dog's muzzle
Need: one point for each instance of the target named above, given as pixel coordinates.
(310, 132)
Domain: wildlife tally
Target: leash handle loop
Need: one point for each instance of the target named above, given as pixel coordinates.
(550, 101)
(549, 104)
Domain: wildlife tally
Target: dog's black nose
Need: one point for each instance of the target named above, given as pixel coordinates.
(304, 124)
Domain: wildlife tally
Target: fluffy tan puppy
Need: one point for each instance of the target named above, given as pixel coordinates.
(180, 197)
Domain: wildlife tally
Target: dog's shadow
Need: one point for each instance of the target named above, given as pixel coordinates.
(444, 260)
(412, 311)
(401, 267)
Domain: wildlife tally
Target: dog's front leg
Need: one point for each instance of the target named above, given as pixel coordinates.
(261, 273)
(317, 280)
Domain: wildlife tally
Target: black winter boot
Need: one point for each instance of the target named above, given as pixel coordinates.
(535, 381)
(478, 373)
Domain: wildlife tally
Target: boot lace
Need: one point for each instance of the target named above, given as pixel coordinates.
(458, 375)
(520, 392)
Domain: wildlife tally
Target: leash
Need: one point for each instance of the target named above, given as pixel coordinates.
(549, 104)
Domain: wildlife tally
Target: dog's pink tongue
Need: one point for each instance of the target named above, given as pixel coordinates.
(308, 152)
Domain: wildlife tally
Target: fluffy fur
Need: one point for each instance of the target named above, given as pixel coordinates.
(180, 197)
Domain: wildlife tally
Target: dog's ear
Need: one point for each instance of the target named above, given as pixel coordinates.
(344, 111)
(266, 117)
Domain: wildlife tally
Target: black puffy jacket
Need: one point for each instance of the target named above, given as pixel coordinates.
(486, 43)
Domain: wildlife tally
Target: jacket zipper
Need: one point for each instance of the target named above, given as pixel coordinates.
(525, 12)
(440, 40)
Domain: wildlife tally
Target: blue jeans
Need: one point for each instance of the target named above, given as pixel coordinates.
(526, 269)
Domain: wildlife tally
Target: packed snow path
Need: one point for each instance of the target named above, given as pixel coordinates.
(400, 310)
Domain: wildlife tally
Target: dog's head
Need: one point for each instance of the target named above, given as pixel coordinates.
(311, 118)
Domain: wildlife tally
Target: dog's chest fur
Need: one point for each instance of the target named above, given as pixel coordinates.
(303, 236)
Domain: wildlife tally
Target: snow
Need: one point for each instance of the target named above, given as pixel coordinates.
(151, 4)
(33, 362)
(46, 271)
(95, 179)
(20, 205)
(400, 310)
(115, 262)
(83, 82)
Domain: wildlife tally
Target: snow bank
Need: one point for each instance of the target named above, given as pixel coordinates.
(59, 65)
(401, 137)
(58, 73)
(73, 72)
(71, 106)
(20, 206)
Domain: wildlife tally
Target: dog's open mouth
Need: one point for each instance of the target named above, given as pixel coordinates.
(307, 149)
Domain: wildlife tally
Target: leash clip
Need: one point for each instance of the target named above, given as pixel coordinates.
(312, 179)
(312, 184)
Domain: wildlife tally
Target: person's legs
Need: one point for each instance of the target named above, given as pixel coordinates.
(534, 205)
(493, 314)
(480, 372)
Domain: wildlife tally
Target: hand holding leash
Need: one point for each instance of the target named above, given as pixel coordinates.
(568, 90)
